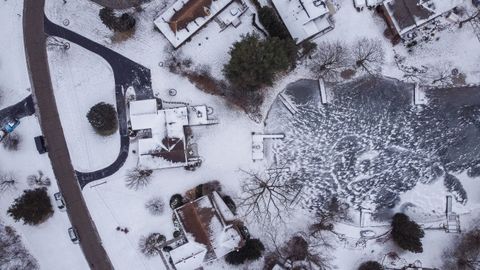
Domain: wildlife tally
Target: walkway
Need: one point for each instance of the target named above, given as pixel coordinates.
(36, 54)
(126, 73)
(21, 109)
(120, 4)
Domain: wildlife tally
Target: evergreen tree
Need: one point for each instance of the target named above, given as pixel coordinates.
(255, 62)
(33, 207)
(406, 233)
(103, 118)
(108, 17)
(370, 265)
(252, 250)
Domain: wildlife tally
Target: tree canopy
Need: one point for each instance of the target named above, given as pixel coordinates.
(406, 233)
(33, 207)
(252, 250)
(103, 118)
(255, 62)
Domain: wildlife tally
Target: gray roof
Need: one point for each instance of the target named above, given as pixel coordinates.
(407, 12)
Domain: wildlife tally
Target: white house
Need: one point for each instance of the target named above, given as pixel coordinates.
(161, 132)
(305, 19)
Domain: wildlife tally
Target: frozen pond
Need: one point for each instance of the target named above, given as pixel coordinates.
(371, 143)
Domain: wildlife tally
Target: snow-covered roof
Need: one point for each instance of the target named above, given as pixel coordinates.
(165, 147)
(188, 256)
(409, 14)
(147, 106)
(184, 18)
(303, 18)
(206, 222)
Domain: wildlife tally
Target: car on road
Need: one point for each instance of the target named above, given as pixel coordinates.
(59, 201)
(72, 232)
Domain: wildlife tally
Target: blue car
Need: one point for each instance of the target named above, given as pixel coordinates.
(10, 126)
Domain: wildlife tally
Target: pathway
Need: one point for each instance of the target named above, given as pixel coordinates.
(126, 73)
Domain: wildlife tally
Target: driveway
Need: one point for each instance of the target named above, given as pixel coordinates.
(127, 73)
(36, 54)
(21, 109)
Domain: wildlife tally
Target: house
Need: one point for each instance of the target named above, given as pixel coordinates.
(403, 17)
(305, 19)
(185, 17)
(211, 230)
(162, 142)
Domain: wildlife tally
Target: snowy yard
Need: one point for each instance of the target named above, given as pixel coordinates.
(48, 241)
(80, 80)
(370, 147)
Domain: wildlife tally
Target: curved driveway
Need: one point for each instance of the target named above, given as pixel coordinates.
(126, 73)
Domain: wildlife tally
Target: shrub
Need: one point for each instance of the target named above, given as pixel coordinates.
(406, 233)
(370, 265)
(38, 180)
(118, 24)
(176, 201)
(33, 207)
(252, 250)
(274, 26)
(155, 206)
(11, 141)
(152, 244)
(103, 118)
(254, 62)
(8, 181)
(454, 186)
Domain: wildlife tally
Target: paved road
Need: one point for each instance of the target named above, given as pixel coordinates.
(35, 51)
(17, 111)
(126, 73)
(120, 4)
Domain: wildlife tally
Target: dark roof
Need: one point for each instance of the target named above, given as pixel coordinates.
(176, 152)
(407, 12)
(192, 10)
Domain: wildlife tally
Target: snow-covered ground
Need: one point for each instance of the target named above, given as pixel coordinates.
(81, 79)
(49, 241)
(14, 83)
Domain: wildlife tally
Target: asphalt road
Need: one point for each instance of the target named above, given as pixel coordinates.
(17, 111)
(126, 73)
(35, 51)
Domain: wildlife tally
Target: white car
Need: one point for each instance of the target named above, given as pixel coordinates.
(73, 235)
(59, 201)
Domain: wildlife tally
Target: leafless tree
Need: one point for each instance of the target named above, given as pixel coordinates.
(465, 255)
(11, 141)
(138, 178)
(269, 196)
(369, 55)
(330, 59)
(155, 206)
(152, 244)
(13, 254)
(38, 179)
(8, 181)
(300, 252)
(322, 228)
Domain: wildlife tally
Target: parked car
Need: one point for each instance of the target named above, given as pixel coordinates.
(59, 200)
(11, 125)
(73, 235)
(40, 144)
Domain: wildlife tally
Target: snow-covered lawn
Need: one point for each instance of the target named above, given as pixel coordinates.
(48, 242)
(14, 83)
(80, 80)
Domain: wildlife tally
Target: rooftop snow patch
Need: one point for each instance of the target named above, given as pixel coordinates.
(162, 142)
(184, 18)
(304, 19)
(408, 14)
(208, 223)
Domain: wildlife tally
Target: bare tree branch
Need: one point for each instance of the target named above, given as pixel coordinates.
(369, 55)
